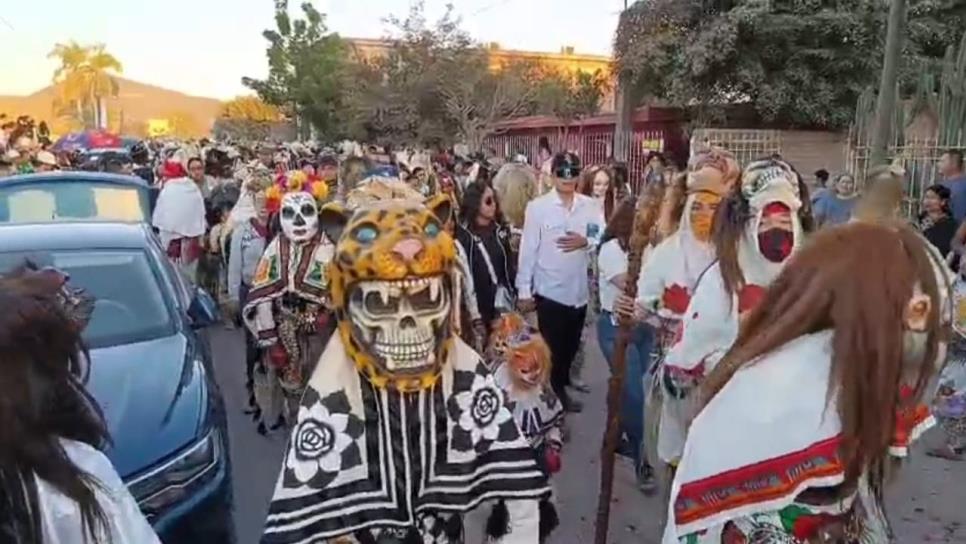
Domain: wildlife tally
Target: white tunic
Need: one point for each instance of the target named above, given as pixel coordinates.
(62, 522)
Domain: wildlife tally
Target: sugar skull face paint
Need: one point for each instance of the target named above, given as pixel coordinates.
(299, 216)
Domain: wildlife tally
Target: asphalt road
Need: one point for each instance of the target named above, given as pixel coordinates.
(926, 504)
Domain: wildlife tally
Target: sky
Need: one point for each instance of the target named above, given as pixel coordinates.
(204, 47)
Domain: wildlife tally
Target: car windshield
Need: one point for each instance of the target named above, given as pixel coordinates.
(46, 202)
(129, 306)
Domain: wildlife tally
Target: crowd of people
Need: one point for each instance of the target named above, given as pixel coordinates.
(418, 322)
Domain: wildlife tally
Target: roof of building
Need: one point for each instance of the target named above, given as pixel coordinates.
(641, 115)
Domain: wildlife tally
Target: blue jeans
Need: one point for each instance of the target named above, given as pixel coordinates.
(637, 357)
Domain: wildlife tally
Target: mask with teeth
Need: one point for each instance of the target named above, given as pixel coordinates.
(529, 360)
(392, 283)
(401, 323)
(299, 216)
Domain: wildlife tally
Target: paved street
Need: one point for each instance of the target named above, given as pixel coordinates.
(927, 506)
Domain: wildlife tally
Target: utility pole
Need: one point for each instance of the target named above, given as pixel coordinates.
(885, 107)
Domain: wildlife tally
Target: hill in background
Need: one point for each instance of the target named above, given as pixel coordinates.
(137, 110)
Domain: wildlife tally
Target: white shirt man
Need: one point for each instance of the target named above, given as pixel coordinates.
(552, 273)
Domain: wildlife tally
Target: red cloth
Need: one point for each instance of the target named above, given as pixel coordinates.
(749, 297)
(277, 356)
(775, 208)
(184, 249)
(173, 170)
(552, 456)
(676, 299)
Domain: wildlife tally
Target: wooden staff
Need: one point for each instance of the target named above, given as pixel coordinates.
(645, 217)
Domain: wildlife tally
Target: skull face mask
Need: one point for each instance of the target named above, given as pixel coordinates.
(401, 322)
(299, 216)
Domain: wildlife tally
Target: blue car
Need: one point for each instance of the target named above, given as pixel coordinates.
(151, 369)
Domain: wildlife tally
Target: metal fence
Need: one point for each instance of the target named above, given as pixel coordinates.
(747, 145)
(593, 146)
(920, 158)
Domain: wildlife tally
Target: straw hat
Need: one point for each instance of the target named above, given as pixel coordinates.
(46, 157)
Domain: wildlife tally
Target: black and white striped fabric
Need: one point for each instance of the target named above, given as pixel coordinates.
(364, 461)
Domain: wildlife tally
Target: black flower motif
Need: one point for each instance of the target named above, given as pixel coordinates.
(324, 441)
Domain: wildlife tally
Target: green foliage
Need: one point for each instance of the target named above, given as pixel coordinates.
(396, 98)
(569, 96)
(434, 85)
(85, 76)
(307, 69)
(799, 63)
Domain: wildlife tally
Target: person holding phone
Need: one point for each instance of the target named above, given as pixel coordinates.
(552, 276)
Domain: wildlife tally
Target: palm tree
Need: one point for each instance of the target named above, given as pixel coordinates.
(85, 78)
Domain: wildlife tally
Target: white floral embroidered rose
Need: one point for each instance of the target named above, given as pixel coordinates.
(318, 442)
(482, 409)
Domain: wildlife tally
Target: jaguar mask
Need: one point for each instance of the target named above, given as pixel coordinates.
(392, 284)
(529, 360)
(502, 329)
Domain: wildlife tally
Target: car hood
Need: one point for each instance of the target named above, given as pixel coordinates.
(153, 397)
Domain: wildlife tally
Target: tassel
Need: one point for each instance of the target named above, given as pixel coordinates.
(498, 524)
(549, 520)
(453, 528)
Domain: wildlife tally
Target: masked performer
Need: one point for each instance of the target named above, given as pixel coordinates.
(287, 305)
(821, 389)
(520, 360)
(671, 272)
(665, 287)
(402, 428)
(762, 223)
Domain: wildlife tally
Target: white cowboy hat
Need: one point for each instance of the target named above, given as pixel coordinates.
(46, 157)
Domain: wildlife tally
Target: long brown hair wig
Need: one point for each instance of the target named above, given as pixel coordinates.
(42, 401)
(828, 285)
(730, 221)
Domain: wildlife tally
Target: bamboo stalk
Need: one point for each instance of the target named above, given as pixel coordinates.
(648, 210)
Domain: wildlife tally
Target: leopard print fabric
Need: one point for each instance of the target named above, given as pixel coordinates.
(366, 238)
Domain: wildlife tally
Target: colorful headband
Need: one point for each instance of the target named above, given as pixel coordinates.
(293, 182)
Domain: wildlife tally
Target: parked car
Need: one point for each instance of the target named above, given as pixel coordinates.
(151, 369)
(75, 196)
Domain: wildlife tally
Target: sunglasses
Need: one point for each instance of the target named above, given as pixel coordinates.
(488, 201)
(567, 172)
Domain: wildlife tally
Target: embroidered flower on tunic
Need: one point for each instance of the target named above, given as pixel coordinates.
(324, 441)
(479, 409)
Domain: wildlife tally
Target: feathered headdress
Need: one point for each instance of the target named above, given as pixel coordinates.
(291, 182)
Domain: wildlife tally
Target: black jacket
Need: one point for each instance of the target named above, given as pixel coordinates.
(504, 265)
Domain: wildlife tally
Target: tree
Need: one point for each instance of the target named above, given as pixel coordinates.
(886, 104)
(569, 96)
(85, 77)
(436, 82)
(307, 70)
(480, 99)
(397, 98)
(250, 108)
(246, 118)
(185, 125)
(800, 63)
